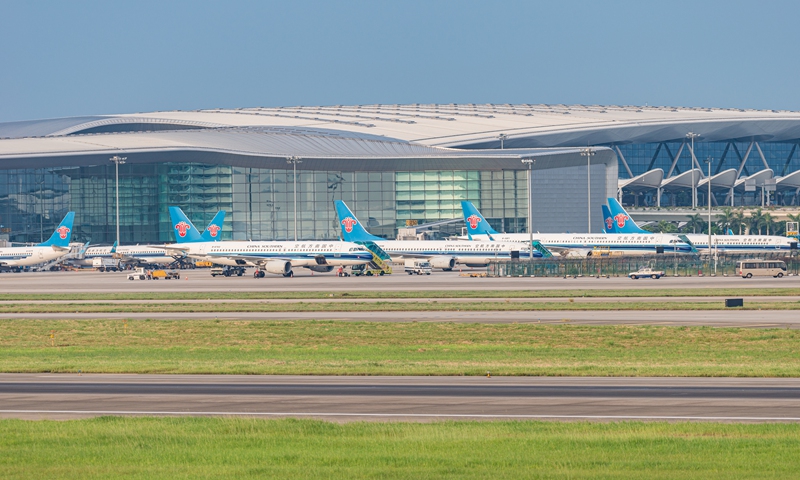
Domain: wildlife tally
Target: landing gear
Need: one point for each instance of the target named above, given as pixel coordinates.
(258, 274)
(289, 275)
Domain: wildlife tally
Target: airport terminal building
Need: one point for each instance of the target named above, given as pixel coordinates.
(395, 165)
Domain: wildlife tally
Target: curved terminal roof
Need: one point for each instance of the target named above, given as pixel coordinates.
(379, 136)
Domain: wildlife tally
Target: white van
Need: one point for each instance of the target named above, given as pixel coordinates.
(763, 268)
(419, 267)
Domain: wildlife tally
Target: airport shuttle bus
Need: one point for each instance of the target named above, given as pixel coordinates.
(761, 268)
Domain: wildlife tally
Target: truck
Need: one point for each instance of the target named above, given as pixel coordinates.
(165, 274)
(103, 264)
(138, 274)
(418, 267)
(227, 271)
(646, 272)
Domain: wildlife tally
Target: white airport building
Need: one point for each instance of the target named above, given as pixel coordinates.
(395, 165)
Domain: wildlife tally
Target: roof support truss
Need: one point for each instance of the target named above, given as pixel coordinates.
(624, 163)
(788, 160)
(674, 159)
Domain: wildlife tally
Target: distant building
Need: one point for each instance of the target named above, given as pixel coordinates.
(396, 165)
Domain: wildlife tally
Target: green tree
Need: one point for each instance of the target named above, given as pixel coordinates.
(738, 222)
(725, 219)
(694, 224)
(757, 221)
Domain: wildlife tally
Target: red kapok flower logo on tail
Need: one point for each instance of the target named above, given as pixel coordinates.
(609, 223)
(62, 231)
(473, 221)
(213, 230)
(348, 223)
(182, 228)
(621, 218)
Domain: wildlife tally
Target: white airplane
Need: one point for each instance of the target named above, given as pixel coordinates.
(185, 232)
(578, 244)
(619, 220)
(271, 257)
(442, 254)
(14, 258)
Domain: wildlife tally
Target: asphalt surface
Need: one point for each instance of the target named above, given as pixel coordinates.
(402, 398)
(201, 281)
(740, 318)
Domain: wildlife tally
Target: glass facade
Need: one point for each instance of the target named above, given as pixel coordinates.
(259, 202)
(782, 158)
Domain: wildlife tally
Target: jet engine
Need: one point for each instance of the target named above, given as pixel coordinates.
(321, 268)
(278, 267)
(445, 263)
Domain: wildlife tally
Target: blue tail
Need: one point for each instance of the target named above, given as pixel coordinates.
(213, 231)
(352, 230)
(62, 234)
(183, 228)
(608, 222)
(476, 224)
(622, 222)
(114, 247)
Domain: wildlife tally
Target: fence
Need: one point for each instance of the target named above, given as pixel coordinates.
(680, 265)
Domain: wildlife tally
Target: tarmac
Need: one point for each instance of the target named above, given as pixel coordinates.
(39, 396)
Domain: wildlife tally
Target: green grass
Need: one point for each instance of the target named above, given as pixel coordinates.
(666, 291)
(177, 448)
(381, 306)
(382, 348)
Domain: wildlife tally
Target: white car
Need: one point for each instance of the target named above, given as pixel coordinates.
(646, 272)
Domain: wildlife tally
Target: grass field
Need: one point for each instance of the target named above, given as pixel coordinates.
(383, 306)
(243, 448)
(433, 294)
(379, 348)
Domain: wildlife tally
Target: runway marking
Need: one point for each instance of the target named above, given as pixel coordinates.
(400, 415)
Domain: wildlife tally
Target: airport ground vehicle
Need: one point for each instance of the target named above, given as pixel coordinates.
(761, 268)
(418, 267)
(646, 272)
(229, 272)
(203, 264)
(359, 270)
(104, 264)
(138, 274)
(165, 274)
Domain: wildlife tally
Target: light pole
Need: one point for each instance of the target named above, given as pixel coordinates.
(117, 162)
(708, 161)
(294, 161)
(588, 152)
(530, 162)
(502, 138)
(692, 136)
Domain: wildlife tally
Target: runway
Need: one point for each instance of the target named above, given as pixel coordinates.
(712, 318)
(401, 398)
(201, 281)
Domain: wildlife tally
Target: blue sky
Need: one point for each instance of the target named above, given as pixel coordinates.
(77, 58)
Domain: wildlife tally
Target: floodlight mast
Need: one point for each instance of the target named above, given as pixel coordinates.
(692, 136)
(588, 153)
(117, 162)
(294, 161)
(530, 162)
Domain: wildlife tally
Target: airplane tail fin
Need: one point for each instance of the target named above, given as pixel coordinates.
(730, 232)
(608, 222)
(62, 234)
(114, 247)
(476, 224)
(185, 231)
(352, 229)
(213, 231)
(622, 222)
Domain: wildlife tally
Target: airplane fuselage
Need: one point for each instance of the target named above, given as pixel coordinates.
(742, 243)
(13, 257)
(465, 253)
(300, 254)
(626, 244)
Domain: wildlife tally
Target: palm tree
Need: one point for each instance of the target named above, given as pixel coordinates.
(756, 221)
(725, 219)
(738, 221)
(695, 222)
(768, 222)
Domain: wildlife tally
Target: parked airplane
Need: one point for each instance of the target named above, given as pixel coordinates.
(440, 253)
(624, 223)
(271, 257)
(14, 258)
(185, 232)
(577, 244)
